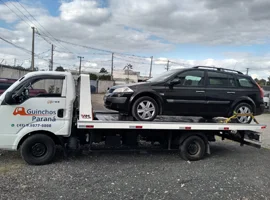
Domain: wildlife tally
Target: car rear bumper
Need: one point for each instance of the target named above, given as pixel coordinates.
(260, 109)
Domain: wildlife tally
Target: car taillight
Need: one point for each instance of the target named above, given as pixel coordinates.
(261, 90)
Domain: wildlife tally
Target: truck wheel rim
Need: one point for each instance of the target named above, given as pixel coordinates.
(193, 148)
(38, 150)
(243, 110)
(146, 110)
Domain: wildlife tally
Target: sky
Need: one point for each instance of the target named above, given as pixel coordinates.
(231, 34)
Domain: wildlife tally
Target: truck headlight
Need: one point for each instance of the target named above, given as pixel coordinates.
(123, 90)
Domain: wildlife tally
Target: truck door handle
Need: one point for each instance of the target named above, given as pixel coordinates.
(200, 91)
(231, 92)
(60, 113)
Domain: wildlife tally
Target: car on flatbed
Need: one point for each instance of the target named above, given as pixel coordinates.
(198, 91)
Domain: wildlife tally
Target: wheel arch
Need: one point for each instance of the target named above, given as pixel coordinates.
(153, 95)
(48, 133)
(247, 100)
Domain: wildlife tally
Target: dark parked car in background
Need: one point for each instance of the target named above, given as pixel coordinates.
(199, 91)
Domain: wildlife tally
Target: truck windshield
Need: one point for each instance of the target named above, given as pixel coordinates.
(162, 77)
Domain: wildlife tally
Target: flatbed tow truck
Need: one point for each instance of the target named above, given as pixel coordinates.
(36, 125)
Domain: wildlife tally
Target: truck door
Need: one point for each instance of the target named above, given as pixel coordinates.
(38, 102)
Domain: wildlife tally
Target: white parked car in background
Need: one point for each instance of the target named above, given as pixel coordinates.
(266, 99)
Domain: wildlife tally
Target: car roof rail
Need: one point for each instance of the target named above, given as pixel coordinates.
(219, 69)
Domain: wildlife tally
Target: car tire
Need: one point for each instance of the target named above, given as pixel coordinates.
(38, 149)
(193, 148)
(147, 113)
(243, 108)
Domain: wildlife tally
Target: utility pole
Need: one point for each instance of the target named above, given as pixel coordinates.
(80, 64)
(14, 62)
(247, 70)
(33, 49)
(112, 68)
(167, 67)
(51, 66)
(150, 73)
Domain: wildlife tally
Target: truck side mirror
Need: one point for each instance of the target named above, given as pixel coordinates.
(8, 98)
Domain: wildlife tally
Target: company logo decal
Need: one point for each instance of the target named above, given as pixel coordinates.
(84, 116)
(37, 114)
(51, 102)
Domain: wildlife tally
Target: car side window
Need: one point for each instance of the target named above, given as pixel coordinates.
(217, 79)
(244, 82)
(192, 78)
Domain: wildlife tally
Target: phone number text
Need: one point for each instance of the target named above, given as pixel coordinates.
(34, 125)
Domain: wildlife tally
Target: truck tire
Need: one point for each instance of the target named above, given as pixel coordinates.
(193, 148)
(38, 149)
(145, 109)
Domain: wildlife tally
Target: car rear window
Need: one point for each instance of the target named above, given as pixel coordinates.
(245, 82)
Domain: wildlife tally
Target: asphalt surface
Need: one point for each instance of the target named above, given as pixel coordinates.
(230, 172)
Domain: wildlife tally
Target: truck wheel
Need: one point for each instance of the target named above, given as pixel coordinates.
(145, 109)
(38, 149)
(193, 148)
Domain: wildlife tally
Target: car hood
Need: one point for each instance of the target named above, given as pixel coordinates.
(132, 85)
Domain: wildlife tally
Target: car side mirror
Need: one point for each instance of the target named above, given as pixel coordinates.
(175, 81)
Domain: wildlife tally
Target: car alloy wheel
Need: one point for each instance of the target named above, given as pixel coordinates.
(244, 110)
(146, 110)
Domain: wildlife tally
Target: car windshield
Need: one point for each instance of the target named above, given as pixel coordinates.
(162, 77)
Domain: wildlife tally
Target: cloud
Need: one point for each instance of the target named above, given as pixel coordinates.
(132, 27)
(205, 22)
(85, 12)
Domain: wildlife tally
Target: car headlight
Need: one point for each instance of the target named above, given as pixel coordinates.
(122, 90)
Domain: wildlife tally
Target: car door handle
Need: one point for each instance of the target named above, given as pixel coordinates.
(230, 92)
(200, 91)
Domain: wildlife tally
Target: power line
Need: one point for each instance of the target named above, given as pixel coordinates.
(47, 32)
(23, 15)
(98, 49)
(131, 61)
(44, 52)
(16, 14)
(94, 61)
(19, 47)
(23, 49)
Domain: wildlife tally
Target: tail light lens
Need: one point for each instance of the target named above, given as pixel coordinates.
(261, 90)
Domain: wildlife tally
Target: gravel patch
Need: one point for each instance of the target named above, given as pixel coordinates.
(230, 172)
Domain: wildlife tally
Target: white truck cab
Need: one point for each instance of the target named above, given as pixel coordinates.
(50, 110)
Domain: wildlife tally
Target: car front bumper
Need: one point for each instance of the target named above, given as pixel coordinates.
(118, 102)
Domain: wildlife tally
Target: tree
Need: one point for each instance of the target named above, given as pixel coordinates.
(105, 77)
(60, 69)
(93, 76)
(103, 70)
